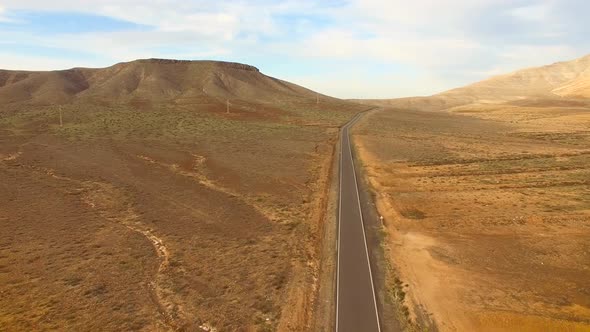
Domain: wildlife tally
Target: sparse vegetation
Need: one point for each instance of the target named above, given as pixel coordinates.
(483, 218)
(160, 212)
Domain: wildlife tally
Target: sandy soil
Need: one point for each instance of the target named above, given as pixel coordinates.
(487, 213)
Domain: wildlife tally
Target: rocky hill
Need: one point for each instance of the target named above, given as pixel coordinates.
(149, 80)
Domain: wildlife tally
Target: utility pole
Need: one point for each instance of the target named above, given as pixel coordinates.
(61, 122)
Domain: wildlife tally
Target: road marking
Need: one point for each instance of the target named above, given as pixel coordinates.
(365, 238)
(339, 229)
(344, 133)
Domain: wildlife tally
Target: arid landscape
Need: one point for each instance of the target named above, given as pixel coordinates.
(485, 193)
(294, 166)
(198, 195)
(151, 207)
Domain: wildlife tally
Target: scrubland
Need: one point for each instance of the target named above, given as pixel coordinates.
(487, 213)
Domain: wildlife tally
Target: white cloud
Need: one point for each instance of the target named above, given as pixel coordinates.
(32, 62)
(218, 18)
(3, 17)
(535, 12)
(520, 56)
(350, 83)
(390, 49)
(454, 41)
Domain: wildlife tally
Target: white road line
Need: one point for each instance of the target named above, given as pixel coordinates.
(339, 228)
(364, 237)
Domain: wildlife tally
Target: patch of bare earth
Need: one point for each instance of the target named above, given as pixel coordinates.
(486, 220)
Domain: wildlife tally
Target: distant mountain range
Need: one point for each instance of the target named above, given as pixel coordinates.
(152, 81)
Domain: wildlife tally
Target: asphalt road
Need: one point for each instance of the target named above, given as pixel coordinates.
(356, 305)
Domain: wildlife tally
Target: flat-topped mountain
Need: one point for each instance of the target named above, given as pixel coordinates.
(153, 80)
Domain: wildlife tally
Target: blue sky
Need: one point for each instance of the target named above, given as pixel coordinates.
(345, 48)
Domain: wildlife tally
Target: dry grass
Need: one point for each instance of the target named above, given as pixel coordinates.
(487, 213)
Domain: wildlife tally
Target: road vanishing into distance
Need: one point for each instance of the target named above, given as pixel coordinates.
(356, 304)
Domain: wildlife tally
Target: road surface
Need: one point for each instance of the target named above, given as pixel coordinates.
(356, 304)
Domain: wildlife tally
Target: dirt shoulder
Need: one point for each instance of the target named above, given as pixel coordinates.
(324, 309)
(485, 215)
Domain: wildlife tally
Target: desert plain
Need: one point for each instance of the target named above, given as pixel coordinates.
(486, 204)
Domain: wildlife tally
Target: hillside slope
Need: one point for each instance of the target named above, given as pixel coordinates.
(531, 82)
(578, 88)
(42, 87)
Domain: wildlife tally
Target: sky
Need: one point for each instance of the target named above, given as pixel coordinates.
(344, 48)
